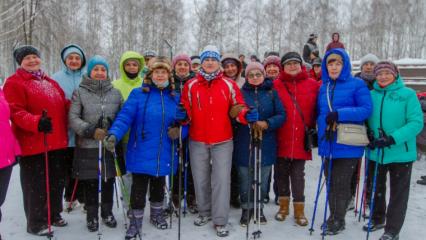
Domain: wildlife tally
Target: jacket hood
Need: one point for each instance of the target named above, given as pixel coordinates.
(397, 84)
(346, 70)
(338, 37)
(73, 48)
(131, 55)
(97, 86)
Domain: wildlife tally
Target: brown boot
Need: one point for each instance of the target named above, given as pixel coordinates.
(299, 215)
(283, 211)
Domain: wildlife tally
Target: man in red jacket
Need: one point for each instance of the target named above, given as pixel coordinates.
(335, 42)
(210, 101)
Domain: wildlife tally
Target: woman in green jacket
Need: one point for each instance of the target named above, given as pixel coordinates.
(396, 120)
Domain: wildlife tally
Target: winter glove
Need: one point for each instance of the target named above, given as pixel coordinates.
(109, 143)
(331, 118)
(252, 115)
(370, 136)
(45, 124)
(384, 141)
(173, 132)
(180, 114)
(99, 134)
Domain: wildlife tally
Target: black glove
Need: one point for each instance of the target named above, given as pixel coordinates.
(331, 118)
(181, 115)
(384, 141)
(45, 124)
(370, 136)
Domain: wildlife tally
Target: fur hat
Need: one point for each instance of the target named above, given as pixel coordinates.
(159, 62)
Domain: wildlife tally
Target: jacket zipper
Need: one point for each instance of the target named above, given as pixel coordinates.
(161, 133)
(381, 124)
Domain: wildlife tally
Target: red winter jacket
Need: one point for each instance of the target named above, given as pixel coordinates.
(208, 105)
(292, 134)
(28, 97)
(314, 76)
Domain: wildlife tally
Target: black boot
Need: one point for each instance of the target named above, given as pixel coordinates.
(107, 216)
(235, 201)
(334, 226)
(389, 236)
(92, 218)
(375, 225)
(245, 217)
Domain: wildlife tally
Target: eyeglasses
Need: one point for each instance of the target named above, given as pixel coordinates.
(257, 75)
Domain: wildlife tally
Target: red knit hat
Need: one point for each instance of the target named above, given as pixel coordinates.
(181, 57)
(272, 60)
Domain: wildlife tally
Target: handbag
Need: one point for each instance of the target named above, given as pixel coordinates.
(349, 133)
(311, 135)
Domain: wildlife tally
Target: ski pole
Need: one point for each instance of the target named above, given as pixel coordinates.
(46, 163)
(317, 196)
(99, 184)
(124, 194)
(327, 192)
(249, 183)
(373, 192)
(74, 189)
(357, 186)
(185, 182)
(258, 181)
(171, 204)
(365, 186)
(180, 178)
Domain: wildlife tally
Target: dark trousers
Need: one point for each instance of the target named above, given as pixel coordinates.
(291, 171)
(235, 182)
(70, 181)
(92, 197)
(400, 176)
(5, 174)
(33, 183)
(354, 180)
(340, 185)
(140, 188)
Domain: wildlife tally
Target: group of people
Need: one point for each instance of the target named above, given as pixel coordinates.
(89, 129)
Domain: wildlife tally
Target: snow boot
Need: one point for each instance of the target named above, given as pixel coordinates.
(283, 211)
(42, 231)
(262, 217)
(221, 230)
(157, 218)
(202, 220)
(245, 218)
(299, 214)
(389, 236)
(375, 225)
(192, 204)
(334, 226)
(136, 218)
(107, 216)
(92, 218)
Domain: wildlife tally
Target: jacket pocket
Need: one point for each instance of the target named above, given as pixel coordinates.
(406, 146)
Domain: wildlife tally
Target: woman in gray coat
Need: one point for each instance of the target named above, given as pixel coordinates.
(94, 106)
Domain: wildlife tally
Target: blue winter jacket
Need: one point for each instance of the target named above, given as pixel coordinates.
(148, 114)
(352, 101)
(70, 80)
(271, 110)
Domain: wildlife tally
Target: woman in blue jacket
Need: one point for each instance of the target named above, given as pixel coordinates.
(149, 112)
(258, 93)
(342, 99)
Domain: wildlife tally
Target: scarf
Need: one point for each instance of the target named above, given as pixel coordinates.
(209, 76)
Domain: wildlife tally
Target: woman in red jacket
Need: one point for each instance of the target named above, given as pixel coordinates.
(30, 92)
(298, 95)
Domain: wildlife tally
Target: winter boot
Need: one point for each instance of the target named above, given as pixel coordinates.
(335, 226)
(192, 204)
(136, 218)
(245, 217)
(92, 218)
(299, 214)
(262, 217)
(375, 225)
(389, 236)
(202, 220)
(422, 181)
(42, 231)
(283, 211)
(221, 230)
(157, 217)
(58, 221)
(107, 216)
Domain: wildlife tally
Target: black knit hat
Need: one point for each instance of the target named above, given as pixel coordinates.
(291, 56)
(24, 51)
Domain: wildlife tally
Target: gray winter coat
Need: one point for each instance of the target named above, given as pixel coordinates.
(94, 105)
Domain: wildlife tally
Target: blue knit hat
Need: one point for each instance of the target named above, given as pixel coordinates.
(97, 60)
(210, 51)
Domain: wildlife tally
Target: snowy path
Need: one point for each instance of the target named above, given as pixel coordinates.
(13, 224)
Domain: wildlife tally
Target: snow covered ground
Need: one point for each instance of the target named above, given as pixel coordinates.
(13, 224)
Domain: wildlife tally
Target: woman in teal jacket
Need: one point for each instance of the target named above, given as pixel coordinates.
(396, 120)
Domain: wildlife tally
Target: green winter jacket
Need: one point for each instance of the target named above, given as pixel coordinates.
(124, 84)
(397, 111)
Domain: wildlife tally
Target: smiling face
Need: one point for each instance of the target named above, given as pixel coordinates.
(272, 71)
(99, 73)
(182, 68)
(334, 69)
(292, 67)
(385, 78)
(255, 77)
(230, 70)
(160, 76)
(31, 63)
(210, 65)
(73, 61)
(131, 66)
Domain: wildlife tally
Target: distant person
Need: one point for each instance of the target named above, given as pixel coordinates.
(242, 58)
(335, 42)
(368, 62)
(310, 47)
(195, 64)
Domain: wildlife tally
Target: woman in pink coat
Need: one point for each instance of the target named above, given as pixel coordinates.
(9, 148)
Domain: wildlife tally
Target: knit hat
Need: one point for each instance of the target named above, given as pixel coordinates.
(181, 57)
(23, 51)
(317, 61)
(291, 56)
(386, 65)
(369, 58)
(97, 60)
(313, 35)
(255, 66)
(149, 53)
(73, 48)
(195, 59)
(210, 51)
(334, 56)
(272, 60)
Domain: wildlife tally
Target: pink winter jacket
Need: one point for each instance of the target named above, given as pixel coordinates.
(8, 144)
